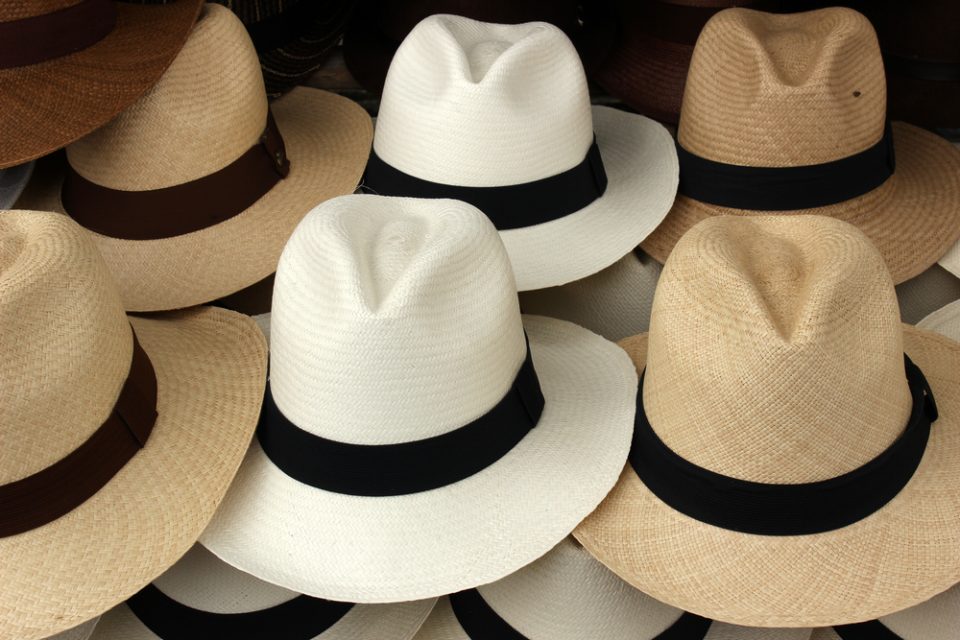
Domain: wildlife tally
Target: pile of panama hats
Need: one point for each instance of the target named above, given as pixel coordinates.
(502, 364)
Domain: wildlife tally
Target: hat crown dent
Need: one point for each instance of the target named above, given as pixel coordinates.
(207, 110)
(66, 341)
(478, 104)
(783, 90)
(775, 351)
(394, 320)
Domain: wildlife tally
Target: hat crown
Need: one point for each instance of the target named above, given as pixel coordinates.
(775, 350)
(477, 104)
(66, 341)
(206, 111)
(770, 90)
(10, 10)
(393, 320)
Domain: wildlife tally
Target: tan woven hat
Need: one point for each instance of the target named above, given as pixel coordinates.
(786, 114)
(789, 467)
(419, 436)
(935, 619)
(568, 595)
(923, 294)
(202, 597)
(120, 435)
(192, 192)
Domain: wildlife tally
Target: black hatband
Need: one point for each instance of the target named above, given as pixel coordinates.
(872, 630)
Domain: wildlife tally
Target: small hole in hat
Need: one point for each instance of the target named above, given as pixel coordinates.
(857, 94)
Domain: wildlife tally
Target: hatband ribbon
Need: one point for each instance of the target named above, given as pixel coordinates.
(183, 208)
(408, 467)
(871, 630)
(480, 622)
(786, 188)
(302, 618)
(46, 495)
(510, 206)
(784, 509)
(56, 34)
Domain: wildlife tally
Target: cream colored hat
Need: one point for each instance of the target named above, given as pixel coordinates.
(80, 632)
(120, 435)
(412, 444)
(568, 595)
(500, 116)
(12, 182)
(787, 114)
(922, 295)
(935, 619)
(201, 597)
(789, 466)
(614, 302)
(192, 192)
(945, 321)
(951, 260)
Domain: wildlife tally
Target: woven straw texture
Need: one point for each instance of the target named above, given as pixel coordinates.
(67, 348)
(462, 97)
(788, 90)
(48, 105)
(951, 260)
(12, 182)
(396, 320)
(936, 619)
(201, 581)
(81, 632)
(200, 117)
(775, 355)
(924, 294)
(945, 321)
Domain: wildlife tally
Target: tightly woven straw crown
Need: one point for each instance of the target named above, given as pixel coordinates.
(767, 90)
(775, 355)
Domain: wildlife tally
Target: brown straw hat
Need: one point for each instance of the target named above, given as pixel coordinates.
(69, 66)
(120, 434)
(786, 114)
(788, 467)
(192, 192)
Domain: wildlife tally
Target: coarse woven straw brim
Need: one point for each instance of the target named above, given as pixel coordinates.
(201, 581)
(327, 139)
(945, 321)
(80, 632)
(922, 295)
(614, 303)
(13, 181)
(92, 85)
(935, 619)
(389, 549)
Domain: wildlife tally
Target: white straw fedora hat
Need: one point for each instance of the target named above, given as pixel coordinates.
(945, 321)
(614, 302)
(787, 114)
(568, 595)
(935, 619)
(80, 632)
(120, 435)
(202, 597)
(922, 295)
(412, 444)
(192, 192)
(12, 182)
(789, 466)
(499, 116)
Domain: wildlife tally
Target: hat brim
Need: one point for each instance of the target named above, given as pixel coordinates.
(640, 161)
(389, 549)
(211, 367)
(327, 139)
(903, 554)
(913, 218)
(951, 259)
(51, 104)
(945, 321)
(931, 290)
(12, 183)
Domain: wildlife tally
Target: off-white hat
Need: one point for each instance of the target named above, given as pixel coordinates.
(568, 595)
(202, 597)
(500, 116)
(922, 295)
(935, 619)
(412, 445)
(12, 182)
(945, 320)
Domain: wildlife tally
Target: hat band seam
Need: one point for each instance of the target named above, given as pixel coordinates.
(37, 39)
(183, 208)
(301, 618)
(408, 467)
(784, 509)
(509, 206)
(480, 622)
(55, 491)
(870, 630)
(786, 188)
(932, 70)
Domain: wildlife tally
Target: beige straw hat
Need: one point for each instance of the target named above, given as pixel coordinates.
(786, 114)
(614, 302)
(499, 116)
(945, 320)
(210, 209)
(80, 632)
(935, 619)
(568, 595)
(114, 455)
(923, 294)
(202, 597)
(793, 474)
(412, 444)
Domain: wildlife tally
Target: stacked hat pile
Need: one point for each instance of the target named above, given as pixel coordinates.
(269, 373)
